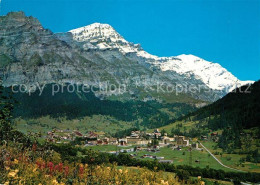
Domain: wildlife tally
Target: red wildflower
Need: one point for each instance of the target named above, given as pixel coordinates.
(56, 167)
(81, 171)
(34, 147)
(60, 168)
(43, 165)
(38, 163)
(66, 170)
(50, 165)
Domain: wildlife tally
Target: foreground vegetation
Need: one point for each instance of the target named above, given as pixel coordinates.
(29, 168)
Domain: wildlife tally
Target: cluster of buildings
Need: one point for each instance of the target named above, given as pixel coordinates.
(136, 138)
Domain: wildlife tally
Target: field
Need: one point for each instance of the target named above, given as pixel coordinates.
(232, 160)
(183, 126)
(44, 124)
(179, 157)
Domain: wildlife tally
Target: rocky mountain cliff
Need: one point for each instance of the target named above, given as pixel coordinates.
(97, 55)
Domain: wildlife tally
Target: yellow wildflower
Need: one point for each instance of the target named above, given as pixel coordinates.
(120, 170)
(7, 183)
(162, 181)
(55, 181)
(11, 174)
(16, 161)
(7, 168)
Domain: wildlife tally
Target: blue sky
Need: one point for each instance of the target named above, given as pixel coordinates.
(222, 31)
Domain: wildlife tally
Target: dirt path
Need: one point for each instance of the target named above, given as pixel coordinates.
(219, 160)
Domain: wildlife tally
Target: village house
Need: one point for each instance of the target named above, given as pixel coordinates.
(195, 145)
(127, 150)
(78, 134)
(93, 142)
(92, 136)
(157, 133)
(113, 141)
(214, 136)
(122, 142)
(135, 134)
(181, 141)
(137, 141)
(166, 161)
(165, 140)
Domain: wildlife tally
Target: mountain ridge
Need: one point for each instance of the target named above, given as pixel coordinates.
(103, 33)
(90, 55)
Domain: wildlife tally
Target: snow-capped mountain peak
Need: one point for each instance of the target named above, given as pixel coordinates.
(212, 74)
(95, 30)
(104, 36)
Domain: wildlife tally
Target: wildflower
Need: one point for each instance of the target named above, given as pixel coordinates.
(34, 170)
(12, 174)
(56, 167)
(43, 165)
(66, 170)
(16, 161)
(7, 168)
(39, 164)
(7, 183)
(55, 181)
(120, 170)
(34, 147)
(50, 165)
(81, 170)
(199, 177)
(60, 168)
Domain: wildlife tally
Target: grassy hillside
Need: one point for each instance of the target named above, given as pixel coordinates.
(85, 111)
(237, 110)
(236, 119)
